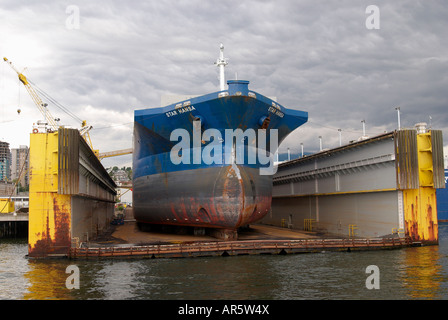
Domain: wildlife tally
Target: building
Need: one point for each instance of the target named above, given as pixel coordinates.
(6, 189)
(20, 165)
(120, 175)
(5, 162)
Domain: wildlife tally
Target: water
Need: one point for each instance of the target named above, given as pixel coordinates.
(410, 273)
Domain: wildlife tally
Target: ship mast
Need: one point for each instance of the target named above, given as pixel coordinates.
(221, 63)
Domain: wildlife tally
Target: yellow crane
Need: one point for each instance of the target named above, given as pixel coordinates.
(37, 101)
(115, 153)
(52, 122)
(84, 132)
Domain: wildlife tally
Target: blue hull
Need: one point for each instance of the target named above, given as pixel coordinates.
(200, 193)
(442, 202)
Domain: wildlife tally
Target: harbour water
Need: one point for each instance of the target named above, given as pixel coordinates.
(410, 273)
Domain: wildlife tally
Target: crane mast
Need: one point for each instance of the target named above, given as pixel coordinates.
(36, 99)
(84, 131)
(51, 121)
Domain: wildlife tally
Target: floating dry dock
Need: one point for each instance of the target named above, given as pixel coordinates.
(128, 241)
(383, 186)
(259, 239)
(233, 248)
(374, 194)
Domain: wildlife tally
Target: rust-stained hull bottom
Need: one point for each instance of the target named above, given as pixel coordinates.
(226, 197)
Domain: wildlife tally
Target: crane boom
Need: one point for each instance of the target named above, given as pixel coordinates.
(115, 153)
(36, 99)
(84, 131)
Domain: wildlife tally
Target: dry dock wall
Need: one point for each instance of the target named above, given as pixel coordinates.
(71, 194)
(379, 187)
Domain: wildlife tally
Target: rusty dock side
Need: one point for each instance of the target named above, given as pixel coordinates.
(71, 194)
(379, 187)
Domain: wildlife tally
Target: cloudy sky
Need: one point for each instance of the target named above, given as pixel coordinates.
(315, 56)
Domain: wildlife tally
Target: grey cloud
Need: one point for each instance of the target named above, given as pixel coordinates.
(316, 56)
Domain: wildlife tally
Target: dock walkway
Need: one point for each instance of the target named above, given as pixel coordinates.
(245, 247)
(128, 241)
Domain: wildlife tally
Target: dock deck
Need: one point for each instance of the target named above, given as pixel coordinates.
(128, 241)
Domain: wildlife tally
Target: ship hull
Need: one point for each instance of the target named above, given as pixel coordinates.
(222, 194)
(218, 197)
(442, 201)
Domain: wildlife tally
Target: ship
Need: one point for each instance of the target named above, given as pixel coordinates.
(442, 201)
(206, 162)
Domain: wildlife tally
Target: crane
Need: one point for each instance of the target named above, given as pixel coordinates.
(115, 153)
(84, 132)
(52, 122)
(37, 101)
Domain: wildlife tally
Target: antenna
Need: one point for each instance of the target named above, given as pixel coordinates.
(221, 63)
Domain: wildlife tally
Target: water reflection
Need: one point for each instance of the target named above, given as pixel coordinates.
(424, 272)
(116, 280)
(12, 267)
(413, 273)
(46, 280)
(422, 276)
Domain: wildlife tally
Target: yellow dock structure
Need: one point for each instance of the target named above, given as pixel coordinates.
(419, 199)
(379, 187)
(71, 194)
(6, 206)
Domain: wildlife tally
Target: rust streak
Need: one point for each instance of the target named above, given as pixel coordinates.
(62, 228)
